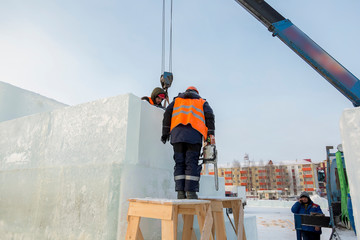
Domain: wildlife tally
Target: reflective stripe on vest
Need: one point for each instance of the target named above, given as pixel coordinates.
(151, 101)
(189, 111)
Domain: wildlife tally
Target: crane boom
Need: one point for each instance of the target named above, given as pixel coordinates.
(336, 74)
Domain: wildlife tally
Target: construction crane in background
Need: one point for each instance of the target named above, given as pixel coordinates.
(166, 77)
(336, 74)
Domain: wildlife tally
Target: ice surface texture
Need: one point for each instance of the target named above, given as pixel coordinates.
(67, 174)
(16, 102)
(350, 133)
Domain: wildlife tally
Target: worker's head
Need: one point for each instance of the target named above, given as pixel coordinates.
(192, 88)
(159, 98)
(305, 197)
(157, 95)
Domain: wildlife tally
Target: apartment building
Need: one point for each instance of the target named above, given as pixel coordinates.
(274, 180)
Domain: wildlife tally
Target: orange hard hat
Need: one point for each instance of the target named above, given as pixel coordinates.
(192, 88)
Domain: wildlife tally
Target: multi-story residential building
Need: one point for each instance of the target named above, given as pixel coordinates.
(275, 180)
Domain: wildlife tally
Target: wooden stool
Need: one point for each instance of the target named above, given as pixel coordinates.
(167, 211)
(217, 206)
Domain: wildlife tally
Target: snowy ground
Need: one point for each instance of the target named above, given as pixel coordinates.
(278, 223)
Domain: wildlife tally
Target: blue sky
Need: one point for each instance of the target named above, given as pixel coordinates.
(268, 102)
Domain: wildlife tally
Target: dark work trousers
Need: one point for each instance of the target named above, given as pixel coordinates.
(187, 169)
(307, 235)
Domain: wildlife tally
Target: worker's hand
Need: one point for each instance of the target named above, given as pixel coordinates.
(165, 138)
(317, 228)
(210, 140)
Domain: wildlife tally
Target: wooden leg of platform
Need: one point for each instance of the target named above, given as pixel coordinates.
(167, 230)
(220, 225)
(219, 222)
(133, 231)
(206, 232)
(242, 226)
(188, 227)
(235, 209)
(139, 235)
(169, 227)
(202, 214)
(238, 213)
(213, 226)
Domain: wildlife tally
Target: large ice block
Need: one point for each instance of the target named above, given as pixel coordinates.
(16, 102)
(350, 133)
(67, 174)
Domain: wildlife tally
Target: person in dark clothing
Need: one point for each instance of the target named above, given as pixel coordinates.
(306, 206)
(157, 96)
(189, 120)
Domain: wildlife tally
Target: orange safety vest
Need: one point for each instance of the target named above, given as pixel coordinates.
(189, 111)
(151, 101)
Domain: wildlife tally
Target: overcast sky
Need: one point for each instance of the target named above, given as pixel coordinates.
(268, 102)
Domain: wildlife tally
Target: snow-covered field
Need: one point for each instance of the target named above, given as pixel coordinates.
(278, 223)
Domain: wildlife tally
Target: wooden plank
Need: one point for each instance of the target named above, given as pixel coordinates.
(235, 205)
(228, 204)
(240, 227)
(132, 228)
(213, 226)
(206, 232)
(201, 212)
(187, 211)
(175, 220)
(216, 206)
(192, 206)
(149, 210)
(168, 230)
(200, 216)
(188, 227)
(193, 235)
(168, 201)
(169, 227)
(219, 223)
(139, 235)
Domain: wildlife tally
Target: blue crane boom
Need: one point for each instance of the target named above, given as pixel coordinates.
(336, 74)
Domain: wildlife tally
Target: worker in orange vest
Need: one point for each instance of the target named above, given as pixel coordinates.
(189, 120)
(157, 96)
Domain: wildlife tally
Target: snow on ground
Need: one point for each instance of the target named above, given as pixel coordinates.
(278, 223)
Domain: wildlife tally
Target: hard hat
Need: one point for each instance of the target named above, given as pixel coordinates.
(304, 194)
(161, 95)
(156, 93)
(192, 88)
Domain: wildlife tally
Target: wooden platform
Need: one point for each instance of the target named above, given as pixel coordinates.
(167, 211)
(217, 206)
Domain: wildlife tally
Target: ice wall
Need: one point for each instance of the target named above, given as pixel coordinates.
(16, 102)
(67, 174)
(350, 133)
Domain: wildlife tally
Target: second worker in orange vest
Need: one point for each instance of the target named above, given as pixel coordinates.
(157, 96)
(189, 120)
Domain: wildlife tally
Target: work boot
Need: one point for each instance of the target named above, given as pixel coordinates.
(181, 195)
(191, 195)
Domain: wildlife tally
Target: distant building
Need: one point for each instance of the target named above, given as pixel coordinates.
(275, 180)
